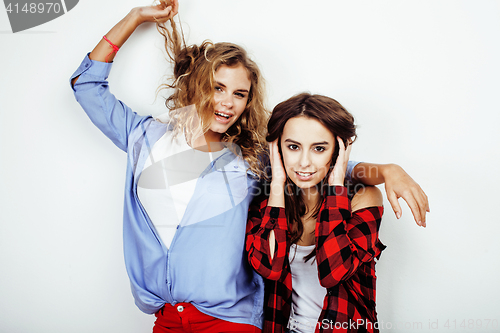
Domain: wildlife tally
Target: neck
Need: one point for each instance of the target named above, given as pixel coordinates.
(311, 197)
(210, 142)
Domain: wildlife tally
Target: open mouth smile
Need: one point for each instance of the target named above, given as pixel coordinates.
(220, 114)
(223, 118)
(304, 176)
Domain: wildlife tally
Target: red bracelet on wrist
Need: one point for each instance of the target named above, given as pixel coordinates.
(115, 48)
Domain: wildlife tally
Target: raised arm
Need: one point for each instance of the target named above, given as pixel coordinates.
(263, 220)
(398, 184)
(91, 88)
(345, 241)
(119, 34)
(266, 242)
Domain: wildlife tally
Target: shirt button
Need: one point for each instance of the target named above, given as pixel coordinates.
(180, 308)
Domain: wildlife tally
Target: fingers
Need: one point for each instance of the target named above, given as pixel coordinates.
(425, 200)
(399, 184)
(415, 209)
(167, 9)
(393, 200)
(341, 143)
(331, 177)
(274, 153)
(172, 4)
(422, 202)
(342, 152)
(342, 149)
(422, 207)
(415, 199)
(167, 13)
(337, 174)
(348, 153)
(165, 3)
(175, 7)
(273, 149)
(418, 202)
(277, 167)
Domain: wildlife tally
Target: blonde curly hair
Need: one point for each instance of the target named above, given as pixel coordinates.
(193, 84)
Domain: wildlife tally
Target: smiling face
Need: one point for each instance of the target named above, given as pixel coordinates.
(307, 147)
(232, 87)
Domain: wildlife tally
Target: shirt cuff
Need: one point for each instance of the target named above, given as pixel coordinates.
(350, 167)
(277, 218)
(94, 68)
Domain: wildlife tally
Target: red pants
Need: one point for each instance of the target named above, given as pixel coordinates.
(186, 318)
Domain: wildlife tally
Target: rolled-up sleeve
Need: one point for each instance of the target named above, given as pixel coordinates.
(115, 119)
(350, 167)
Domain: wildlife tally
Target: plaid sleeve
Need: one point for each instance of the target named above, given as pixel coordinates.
(262, 219)
(344, 240)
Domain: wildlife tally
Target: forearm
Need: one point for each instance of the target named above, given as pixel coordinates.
(277, 195)
(266, 260)
(373, 174)
(335, 254)
(398, 184)
(276, 199)
(118, 35)
(345, 241)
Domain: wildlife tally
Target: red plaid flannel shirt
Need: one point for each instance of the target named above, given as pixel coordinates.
(346, 245)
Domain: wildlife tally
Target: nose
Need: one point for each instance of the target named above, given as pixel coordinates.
(305, 159)
(227, 101)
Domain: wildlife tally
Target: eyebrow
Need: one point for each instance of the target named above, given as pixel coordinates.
(314, 144)
(222, 84)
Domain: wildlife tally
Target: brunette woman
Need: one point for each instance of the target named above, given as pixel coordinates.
(313, 242)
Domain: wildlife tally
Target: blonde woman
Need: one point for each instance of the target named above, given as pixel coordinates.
(189, 179)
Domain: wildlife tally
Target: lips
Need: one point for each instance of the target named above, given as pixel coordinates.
(223, 117)
(304, 176)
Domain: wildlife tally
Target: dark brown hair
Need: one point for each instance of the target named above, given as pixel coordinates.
(336, 119)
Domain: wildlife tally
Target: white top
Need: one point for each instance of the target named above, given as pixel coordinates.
(307, 294)
(168, 181)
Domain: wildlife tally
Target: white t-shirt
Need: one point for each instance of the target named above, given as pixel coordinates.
(168, 181)
(305, 282)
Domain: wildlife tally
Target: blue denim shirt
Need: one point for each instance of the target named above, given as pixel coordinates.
(205, 264)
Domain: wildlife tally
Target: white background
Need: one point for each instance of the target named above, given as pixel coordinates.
(421, 78)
